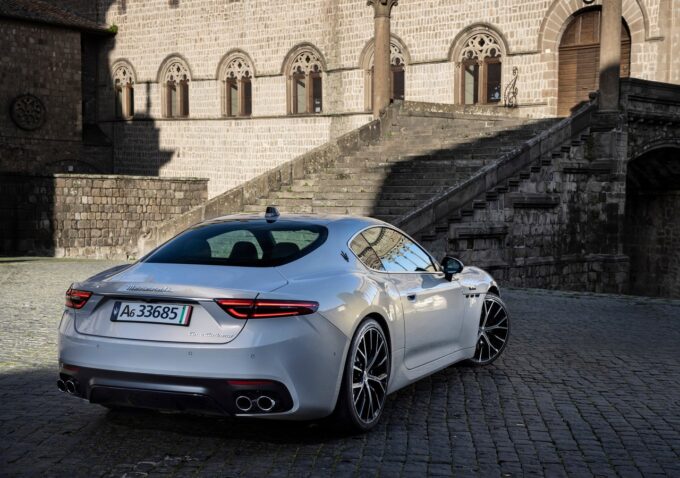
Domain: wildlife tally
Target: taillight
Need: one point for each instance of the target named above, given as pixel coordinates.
(265, 309)
(76, 299)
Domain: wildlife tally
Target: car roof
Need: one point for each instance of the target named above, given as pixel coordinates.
(320, 219)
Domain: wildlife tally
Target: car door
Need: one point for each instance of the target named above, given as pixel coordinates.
(433, 307)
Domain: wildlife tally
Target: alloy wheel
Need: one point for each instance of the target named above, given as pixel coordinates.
(494, 328)
(370, 372)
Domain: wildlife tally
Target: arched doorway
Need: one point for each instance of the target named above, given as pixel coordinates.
(579, 58)
(652, 232)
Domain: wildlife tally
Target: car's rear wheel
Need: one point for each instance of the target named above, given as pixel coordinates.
(493, 331)
(365, 379)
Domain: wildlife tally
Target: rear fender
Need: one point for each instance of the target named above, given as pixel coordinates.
(346, 299)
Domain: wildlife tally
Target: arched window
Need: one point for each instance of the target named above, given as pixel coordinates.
(398, 62)
(479, 61)
(175, 78)
(304, 70)
(124, 90)
(236, 75)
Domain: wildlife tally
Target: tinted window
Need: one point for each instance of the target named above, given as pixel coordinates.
(365, 253)
(397, 252)
(242, 243)
(222, 245)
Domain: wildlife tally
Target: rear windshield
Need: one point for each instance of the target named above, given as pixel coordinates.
(242, 243)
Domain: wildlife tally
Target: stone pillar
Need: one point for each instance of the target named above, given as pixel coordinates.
(381, 57)
(610, 55)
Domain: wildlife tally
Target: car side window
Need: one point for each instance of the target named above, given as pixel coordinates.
(365, 253)
(397, 252)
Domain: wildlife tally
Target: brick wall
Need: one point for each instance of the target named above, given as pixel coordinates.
(93, 216)
(45, 62)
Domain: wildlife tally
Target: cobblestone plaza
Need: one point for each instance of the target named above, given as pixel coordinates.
(588, 386)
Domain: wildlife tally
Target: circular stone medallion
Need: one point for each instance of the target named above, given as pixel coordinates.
(28, 112)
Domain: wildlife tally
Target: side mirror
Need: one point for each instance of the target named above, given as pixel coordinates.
(451, 266)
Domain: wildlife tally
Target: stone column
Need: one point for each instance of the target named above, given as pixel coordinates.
(610, 55)
(381, 57)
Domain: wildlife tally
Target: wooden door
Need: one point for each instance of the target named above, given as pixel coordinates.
(579, 59)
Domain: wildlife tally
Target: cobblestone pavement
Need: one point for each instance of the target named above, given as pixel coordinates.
(589, 385)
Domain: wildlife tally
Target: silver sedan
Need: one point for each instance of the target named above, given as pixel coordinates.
(288, 317)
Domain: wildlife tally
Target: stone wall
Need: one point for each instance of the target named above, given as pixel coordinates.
(233, 151)
(340, 29)
(234, 200)
(653, 242)
(549, 214)
(94, 216)
(44, 62)
(229, 152)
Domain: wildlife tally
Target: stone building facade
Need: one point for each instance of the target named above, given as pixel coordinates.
(445, 52)
(231, 91)
(431, 38)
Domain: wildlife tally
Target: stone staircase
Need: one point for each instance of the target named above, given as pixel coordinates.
(416, 158)
(528, 200)
(540, 223)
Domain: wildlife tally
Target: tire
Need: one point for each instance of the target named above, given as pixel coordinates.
(493, 332)
(365, 380)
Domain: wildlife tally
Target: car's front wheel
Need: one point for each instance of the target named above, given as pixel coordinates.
(493, 331)
(365, 379)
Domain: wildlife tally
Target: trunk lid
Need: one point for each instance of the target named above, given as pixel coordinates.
(192, 285)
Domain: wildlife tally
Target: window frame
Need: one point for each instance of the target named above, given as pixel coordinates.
(485, 79)
(124, 108)
(310, 93)
(176, 105)
(437, 266)
(244, 103)
(394, 69)
(229, 84)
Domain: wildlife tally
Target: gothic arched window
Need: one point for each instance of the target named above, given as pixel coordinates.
(175, 80)
(305, 81)
(236, 75)
(479, 61)
(124, 89)
(398, 62)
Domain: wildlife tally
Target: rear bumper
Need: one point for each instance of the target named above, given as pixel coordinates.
(301, 357)
(163, 392)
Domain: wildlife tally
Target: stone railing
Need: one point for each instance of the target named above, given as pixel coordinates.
(445, 109)
(454, 198)
(234, 200)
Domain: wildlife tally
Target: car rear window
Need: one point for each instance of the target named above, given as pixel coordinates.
(242, 243)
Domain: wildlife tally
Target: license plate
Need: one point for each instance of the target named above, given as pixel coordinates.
(171, 314)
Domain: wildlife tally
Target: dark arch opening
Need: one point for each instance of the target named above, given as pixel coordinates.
(579, 59)
(652, 232)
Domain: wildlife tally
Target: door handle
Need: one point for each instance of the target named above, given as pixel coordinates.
(411, 297)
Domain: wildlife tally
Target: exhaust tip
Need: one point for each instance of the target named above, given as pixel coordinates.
(71, 387)
(61, 385)
(265, 403)
(244, 403)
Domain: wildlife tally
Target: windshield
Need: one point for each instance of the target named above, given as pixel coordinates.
(242, 243)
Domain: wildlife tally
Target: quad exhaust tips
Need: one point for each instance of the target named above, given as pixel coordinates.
(68, 386)
(263, 403)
